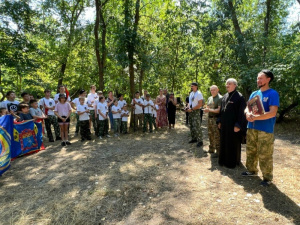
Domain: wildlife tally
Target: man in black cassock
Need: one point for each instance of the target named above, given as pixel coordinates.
(233, 125)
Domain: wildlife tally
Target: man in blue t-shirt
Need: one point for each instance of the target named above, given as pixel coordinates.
(260, 133)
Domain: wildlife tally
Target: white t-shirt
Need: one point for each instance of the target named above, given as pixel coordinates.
(194, 98)
(154, 112)
(82, 108)
(125, 118)
(103, 109)
(148, 109)
(49, 103)
(122, 103)
(92, 98)
(116, 109)
(9, 105)
(76, 102)
(57, 95)
(138, 109)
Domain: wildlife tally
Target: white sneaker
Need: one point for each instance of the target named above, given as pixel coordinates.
(116, 135)
(108, 136)
(100, 137)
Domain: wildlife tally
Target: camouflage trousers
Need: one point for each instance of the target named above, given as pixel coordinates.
(102, 127)
(85, 132)
(124, 127)
(94, 121)
(51, 119)
(195, 125)
(154, 122)
(138, 120)
(117, 125)
(260, 147)
(147, 119)
(77, 124)
(213, 134)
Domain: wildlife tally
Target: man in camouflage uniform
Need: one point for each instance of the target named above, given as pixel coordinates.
(195, 103)
(213, 110)
(260, 133)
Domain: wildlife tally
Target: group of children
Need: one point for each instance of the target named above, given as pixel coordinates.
(90, 109)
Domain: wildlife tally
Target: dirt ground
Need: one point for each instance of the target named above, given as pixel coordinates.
(149, 179)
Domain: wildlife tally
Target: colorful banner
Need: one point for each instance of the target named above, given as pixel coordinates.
(18, 139)
(6, 131)
(28, 138)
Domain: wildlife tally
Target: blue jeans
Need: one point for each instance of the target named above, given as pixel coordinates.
(111, 119)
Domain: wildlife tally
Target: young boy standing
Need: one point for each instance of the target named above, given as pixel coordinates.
(137, 104)
(121, 102)
(124, 115)
(35, 111)
(148, 104)
(102, 111)
(10, 104)
(84, 119)
(92, 98)
(48, 105)
(24, 115)
(74, 105)
(116, 111)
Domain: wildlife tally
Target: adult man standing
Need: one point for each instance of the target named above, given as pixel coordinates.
(213, 110)
(260, 133)
(233, 124)
(195, 103)
(62, 90)
(91, 99)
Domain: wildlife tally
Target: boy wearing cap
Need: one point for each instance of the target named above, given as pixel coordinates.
(260, 133)
(195, 103)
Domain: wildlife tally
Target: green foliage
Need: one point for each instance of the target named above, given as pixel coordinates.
(44, 43)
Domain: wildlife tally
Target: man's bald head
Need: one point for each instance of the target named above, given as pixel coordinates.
(214, 90)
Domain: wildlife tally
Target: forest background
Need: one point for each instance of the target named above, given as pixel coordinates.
(129, 45)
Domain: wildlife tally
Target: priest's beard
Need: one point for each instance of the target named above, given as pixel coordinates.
(260, 86)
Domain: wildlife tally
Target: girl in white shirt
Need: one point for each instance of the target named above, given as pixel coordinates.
(116, 111)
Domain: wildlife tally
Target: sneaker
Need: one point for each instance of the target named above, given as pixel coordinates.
(51, 140)
(68, 143)
(76, 134)
(89, 139)
(200, 144)
(100, 137)
(63, 143)
(266, 183)
(249, 174)
(116, 135)
(82, 140)
(58, 138)
(192, 141)
(108, 136)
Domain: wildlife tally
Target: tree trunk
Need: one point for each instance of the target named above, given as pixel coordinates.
(131, 39)
(238, 33)
(62, 73)
(286, 110)
(266, 29)
(141, 80)
(101, 56)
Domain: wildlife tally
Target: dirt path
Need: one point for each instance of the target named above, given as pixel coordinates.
(150, 179)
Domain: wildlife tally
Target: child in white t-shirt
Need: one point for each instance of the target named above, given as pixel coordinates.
(148, 113)
(155, 107)
(116, 111)
(124, 115)
(84, 119)
(122, 102)
(102, 122)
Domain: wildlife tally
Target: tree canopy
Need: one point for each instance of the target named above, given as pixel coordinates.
(131, 45)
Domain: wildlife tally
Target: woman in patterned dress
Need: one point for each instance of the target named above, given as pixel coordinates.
(161, 118)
